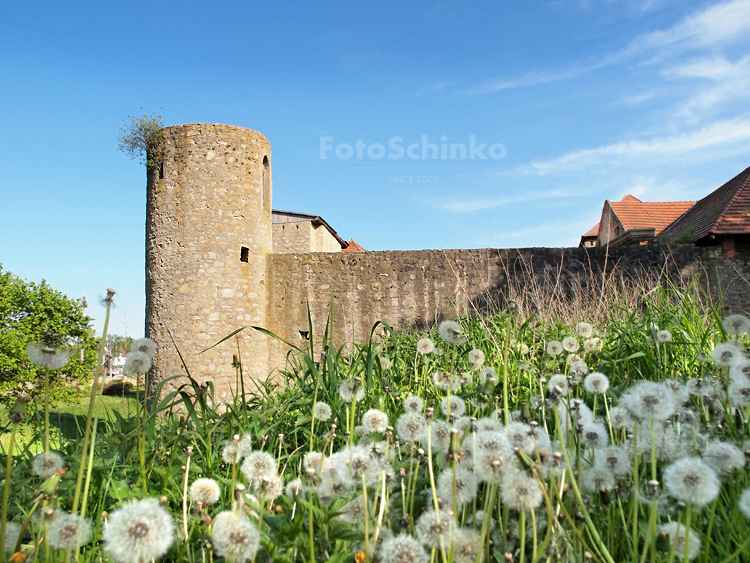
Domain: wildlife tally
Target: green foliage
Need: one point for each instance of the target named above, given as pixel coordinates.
(143, 138)
(688, 237)
(30, 313)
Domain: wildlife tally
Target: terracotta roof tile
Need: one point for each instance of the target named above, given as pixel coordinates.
(723, 211)
(637, 214)
(593, 231)
(353, 247)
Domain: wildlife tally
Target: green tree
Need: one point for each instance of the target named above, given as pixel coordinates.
(143, 138)
(30, 313)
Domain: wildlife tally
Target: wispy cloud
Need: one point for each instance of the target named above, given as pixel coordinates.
(534, 78)
(465, 206)
(718, 134)
(728, 84)
(718, 24)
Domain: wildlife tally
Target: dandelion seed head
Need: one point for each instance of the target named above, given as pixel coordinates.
(558, 383)
(68, 531)
(465, 486)
(578, 369)
(12, 533)
(649, 400)
(46, 356)
(139, 530)
(676, 532)
(269, 488)
(136, 362)
(585, 330)
(46, 464)
(350, 389)
(385, 363)
(259, 464)
(403, 549)
(440, 435)
(234, 537)
(723, 457)
(425, 346)
(554, 348)
(410, 427)
(520, 435)
(489, 424)
(739, 392)
(488, 374)
(323, 411)
(451, 332)
(467, 545)
(592, 345)
(570, 344)
(726, 354)
(476, 358)
(744, 503)
(144, 346)
(594, 435)
(434, 529)
(692, 481)
(520, 492)
(413, 404)
(597, 476)
(457, 406)
(736, 324)
(664, 336)
(617, 459)
(445, 380)
(295, 487)
(740, 369)
(206, 491)
(375, 420)
(596, 383)
(353, 512)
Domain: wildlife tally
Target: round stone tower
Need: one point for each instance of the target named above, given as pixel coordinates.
(208, 231)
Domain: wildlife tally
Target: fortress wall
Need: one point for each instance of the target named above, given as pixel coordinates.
(419, 288)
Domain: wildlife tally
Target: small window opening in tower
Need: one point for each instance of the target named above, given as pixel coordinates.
(161, 171)
(244, 254)
(266, 194)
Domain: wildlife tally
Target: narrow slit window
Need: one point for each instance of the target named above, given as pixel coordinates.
(266, 189)
(244, 254)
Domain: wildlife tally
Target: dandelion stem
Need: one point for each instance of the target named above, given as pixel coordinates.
(6, 488)
(92, 403)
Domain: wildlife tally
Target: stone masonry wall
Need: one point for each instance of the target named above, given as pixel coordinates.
(204, 205)
(418, 288)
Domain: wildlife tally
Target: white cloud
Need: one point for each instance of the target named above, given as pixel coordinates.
(465, 206)
(719, 23)
(729, 84)
(657, 149)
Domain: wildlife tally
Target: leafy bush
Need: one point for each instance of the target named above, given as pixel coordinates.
(29, 313)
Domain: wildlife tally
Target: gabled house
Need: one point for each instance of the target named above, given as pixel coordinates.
(720, 218)
(632, 221)
(294, 232)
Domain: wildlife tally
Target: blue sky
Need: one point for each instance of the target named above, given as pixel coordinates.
(585, 100)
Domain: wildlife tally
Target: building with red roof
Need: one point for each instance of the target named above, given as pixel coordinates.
(632, 221)
(720, 218)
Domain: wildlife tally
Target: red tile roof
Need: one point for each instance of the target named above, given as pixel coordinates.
(725, 211)
(353, 247)
(636, 214)
(593, 231)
